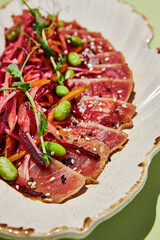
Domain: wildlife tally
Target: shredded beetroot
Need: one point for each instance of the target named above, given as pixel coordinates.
(28, 191)
(31, 147)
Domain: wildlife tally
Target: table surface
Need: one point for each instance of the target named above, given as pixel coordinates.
(141, 218)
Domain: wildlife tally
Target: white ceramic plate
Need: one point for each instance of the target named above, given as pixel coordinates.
(125, 176)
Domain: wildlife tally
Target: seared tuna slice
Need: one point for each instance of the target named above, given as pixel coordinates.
(113, 138)
(109, 88)
(106, 111)
(111, 71)
(106, 58)
(58, 182)
(84, 163)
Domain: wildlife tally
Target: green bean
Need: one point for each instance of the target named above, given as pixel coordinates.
(74, 59)
(76, 41)
(12, 35)
(62, 111)
(61, 90)
(55, 149)
(68, 74)
(7, 170)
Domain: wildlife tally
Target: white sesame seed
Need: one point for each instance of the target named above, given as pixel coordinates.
(99, 50)
(29, 183)
(52, 178)
(17, 187)
(110, 48)
(98, 118)
(85, 62)
(87, 138)
(66, 51)
(57, 132)
(72, 161)
(82, 77)
(69, 27)
(101, 43)
(100, 109)
(94, 149)
(47, 194)
(125, 77)
(106, 59)
(99, 47)
(119, 91)
(68, 41)
(52, 153)
(99, 76)
(47, 199)
(103, 69)
(78, 151)
(93, 47)
(75, 33)
(90, 105)
(89, 65)
(75, 168)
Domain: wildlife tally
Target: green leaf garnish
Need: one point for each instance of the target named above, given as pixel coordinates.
(23, 86)
(62, 60)
(43, 125)
(46, 157)
(14, 71)
(60, 80)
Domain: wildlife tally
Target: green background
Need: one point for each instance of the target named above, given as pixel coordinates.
(141, 218)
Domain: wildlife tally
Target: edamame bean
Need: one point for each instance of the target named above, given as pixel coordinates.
(62, 111)
(68, 74)
(61, 90)
(12, 35)
(7, 170)
(74, 59)
(76, 41)
(55, 149)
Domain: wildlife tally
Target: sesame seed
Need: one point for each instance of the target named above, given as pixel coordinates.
(78, 151)
(106, 59)
(103, 69)
(52, 178)
(75, 168)
(87, 138)
(119, 91)
(99, 47)
(72, 161)
(99, 76)
(68, 159)
(57, 132)
(31, 179)
(100, 96)
(58, 128)
(52, 153)
(62, 176)
(43, 196)
(98, 118)
(47, 199)
(82, 77)
(17, 187)
(113, 124)
(82, 136)
(66, 51)
(124, 77)
(61, 136)
(74, 123)
(100, 109)
(64, 180)
(99, 50)
(47, 194)
(108, 90)
(94, 149)
(109, 159)
(90, 134)
(75, 33)
(67, 153)
(29, 183)
(90, 105)
(110, 48)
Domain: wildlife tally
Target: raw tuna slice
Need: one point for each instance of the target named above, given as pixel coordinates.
(111, 71)
(106, 58)
(113, 138)
(118, 89)
(83, 34)
(106, 111)
(98, 45)
(81, 155)
(58, 182)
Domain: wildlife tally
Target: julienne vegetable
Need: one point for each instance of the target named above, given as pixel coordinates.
(47, 73)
